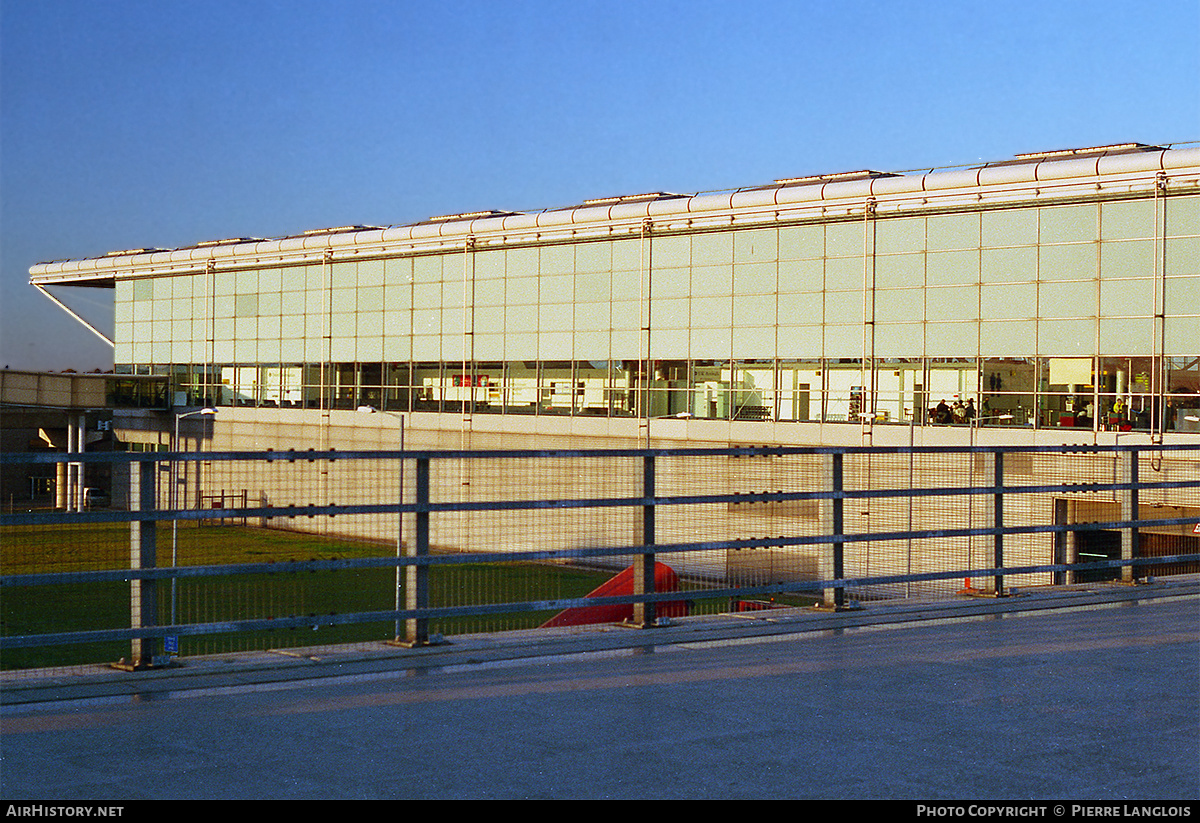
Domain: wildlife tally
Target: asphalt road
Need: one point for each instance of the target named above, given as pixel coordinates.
(1098, 701)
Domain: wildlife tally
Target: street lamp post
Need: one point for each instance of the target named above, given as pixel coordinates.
(912, 431)
(206, 411)
(399, 514)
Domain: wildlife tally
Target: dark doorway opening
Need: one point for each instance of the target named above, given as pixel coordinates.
(1093, 546)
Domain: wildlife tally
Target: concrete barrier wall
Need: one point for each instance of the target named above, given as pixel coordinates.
(358, 482)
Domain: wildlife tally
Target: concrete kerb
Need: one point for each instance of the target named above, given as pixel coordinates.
(278, 666)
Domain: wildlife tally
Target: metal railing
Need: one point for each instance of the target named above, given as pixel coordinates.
(408, 547)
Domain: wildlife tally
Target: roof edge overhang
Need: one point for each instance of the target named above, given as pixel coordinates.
(1039, 177)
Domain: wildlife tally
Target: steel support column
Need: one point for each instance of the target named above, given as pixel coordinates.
(832, 564)
(643, 565)
(1129, 512)
(143, 594)
(416, 588)
(998, 519)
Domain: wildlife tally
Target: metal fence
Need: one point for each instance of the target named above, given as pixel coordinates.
(187, 554)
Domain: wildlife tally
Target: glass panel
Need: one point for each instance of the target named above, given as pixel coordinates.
(952, 268)
(669, 392)
(1011, 227)
(672, 252)
(489, 388)
(1130, 219)
(1009, 265)
(427, 386)
(371, 385)
(397, 377)
(708, 250)
(1119, 380)
(239, 386)
(844, 239)
(291, 385)
(954, 231)
(344, 385)
(638, 396)
(1073, 262)
(709, 395)
(800, 390)
(1066, 397)
(752, 384)
(313, 391)
(593, 257)
(1068, 224)
(593, 378)
(899, 271)
(1183, 216)
(558, 388)
(845, 388)
(522, 388)
(902, 236)
(1007, 393)
(183, 386)
(755, 246)
(269, 389)
(900, 391)
(1183, 385)
(802, 243)
(460, 387)
(952, 386)
(623, 376)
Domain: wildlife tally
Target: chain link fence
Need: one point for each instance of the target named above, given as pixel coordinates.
(213, 553)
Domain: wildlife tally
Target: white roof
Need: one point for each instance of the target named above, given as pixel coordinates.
(1043, 176)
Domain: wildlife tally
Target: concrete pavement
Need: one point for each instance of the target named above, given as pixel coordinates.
(1053, 694)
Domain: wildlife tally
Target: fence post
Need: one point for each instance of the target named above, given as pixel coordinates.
(1129, 512)
(832, 560)
(143, 594)
(998, 520)
(643, 565)
(416, 577)
(1062, 542)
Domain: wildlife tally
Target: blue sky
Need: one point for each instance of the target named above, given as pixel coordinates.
(134, 124)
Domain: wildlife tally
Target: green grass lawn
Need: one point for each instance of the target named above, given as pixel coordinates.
(31, 610)
(92, 606)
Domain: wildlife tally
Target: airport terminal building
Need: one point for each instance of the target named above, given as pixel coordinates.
(1050, 297)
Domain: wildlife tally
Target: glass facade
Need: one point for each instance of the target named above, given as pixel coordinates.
(1113, 392)
(1021, 314)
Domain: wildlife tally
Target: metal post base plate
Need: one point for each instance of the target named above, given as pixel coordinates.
(845, 607)
(433, 640)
